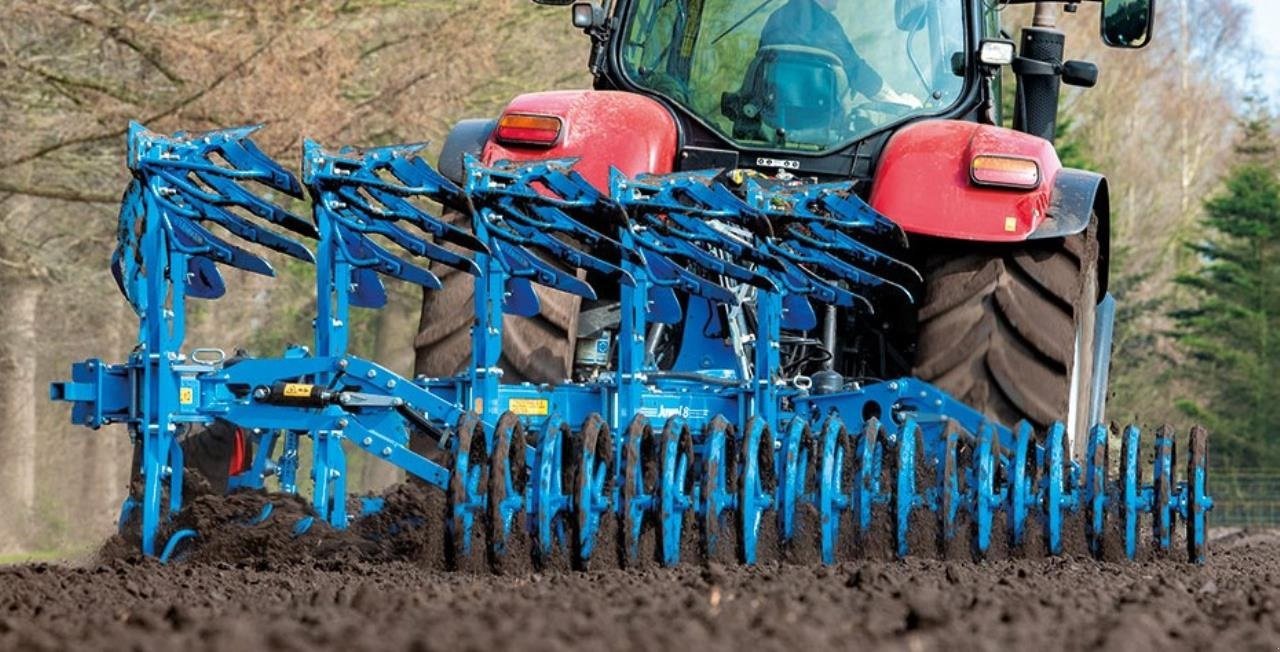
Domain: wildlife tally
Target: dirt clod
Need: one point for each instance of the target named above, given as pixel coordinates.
(380, 584)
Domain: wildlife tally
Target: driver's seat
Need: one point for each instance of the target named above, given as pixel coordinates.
(791, 94)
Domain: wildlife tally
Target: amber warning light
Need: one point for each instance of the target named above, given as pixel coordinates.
(528, 129)
(1005, 172)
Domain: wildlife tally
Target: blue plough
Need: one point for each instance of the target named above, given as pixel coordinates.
(716, 447)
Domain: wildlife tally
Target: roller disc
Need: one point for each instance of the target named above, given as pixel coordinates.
(1021, 493)
(675, 487)
(554, 475)
(949, 496)
(1130, 483)
(906, 496)
(637, 488)
(1056, 486)
(1163, 508)
(833, 498)
(717, 482)
(793, 476)
(985, 499)
(1198, 502)
(1095, 489)
(464, 495)
(866, 488)
(756, 485)
(508, 479)
(592, 487)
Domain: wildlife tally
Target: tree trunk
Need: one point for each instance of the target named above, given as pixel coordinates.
(109, 453)
(393, 348)
(20, 297)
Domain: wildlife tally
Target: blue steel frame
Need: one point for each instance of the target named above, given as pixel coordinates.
(676, 245)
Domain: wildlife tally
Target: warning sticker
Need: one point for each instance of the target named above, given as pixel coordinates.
(297, 390)
(186, 396)
(529, 407)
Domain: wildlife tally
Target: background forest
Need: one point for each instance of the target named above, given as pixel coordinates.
(1181, 128)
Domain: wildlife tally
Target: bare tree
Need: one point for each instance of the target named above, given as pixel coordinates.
(72, 74)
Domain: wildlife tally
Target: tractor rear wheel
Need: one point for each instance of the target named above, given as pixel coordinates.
(1009, 329)
(538, 349)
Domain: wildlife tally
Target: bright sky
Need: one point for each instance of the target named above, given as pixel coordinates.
(1266, 25)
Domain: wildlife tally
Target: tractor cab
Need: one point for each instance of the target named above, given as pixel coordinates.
(817, 86)
(793, 76)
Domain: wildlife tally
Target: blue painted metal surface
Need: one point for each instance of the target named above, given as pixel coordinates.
(719, 441)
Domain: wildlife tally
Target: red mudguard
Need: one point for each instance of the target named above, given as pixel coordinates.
(603, 129)
(923, 182)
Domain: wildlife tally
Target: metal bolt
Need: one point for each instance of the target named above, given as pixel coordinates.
(260, 393)
(370, 374)
(342, 364)
(386, 452)
(893, 386)
(335, 474)
(391, 384)
(367, 441)
(342, 423)
(397, 402)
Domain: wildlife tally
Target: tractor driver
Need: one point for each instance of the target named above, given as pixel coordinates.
(812, 23)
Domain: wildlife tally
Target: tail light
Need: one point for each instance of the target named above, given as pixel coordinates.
(1005, 172)
(528, 129)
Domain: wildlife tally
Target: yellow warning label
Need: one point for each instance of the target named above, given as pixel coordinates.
(479, 405)
(1010, 224)
(186, 396)
(529, 407)
(297, 390)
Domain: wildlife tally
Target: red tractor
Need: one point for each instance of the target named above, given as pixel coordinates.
(904, 97)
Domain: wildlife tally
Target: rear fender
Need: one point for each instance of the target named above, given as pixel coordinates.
(923, 184)
(603, 129)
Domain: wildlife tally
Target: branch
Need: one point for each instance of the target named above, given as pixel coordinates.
(81, 82)
(117, 33)
(116, 133)
(59, 194)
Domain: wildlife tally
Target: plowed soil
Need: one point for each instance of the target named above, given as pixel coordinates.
(253, 586)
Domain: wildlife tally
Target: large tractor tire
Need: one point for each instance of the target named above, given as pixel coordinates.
(537, 350)
(1010, 329)
(210, 454)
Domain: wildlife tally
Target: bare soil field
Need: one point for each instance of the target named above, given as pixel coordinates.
(251, 586)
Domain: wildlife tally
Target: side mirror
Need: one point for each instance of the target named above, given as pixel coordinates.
(1127, 23)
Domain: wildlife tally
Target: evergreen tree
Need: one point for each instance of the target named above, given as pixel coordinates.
(1232, 335)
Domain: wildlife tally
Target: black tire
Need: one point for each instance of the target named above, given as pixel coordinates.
(537, 350)
(207, 453)
(1005, 328)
